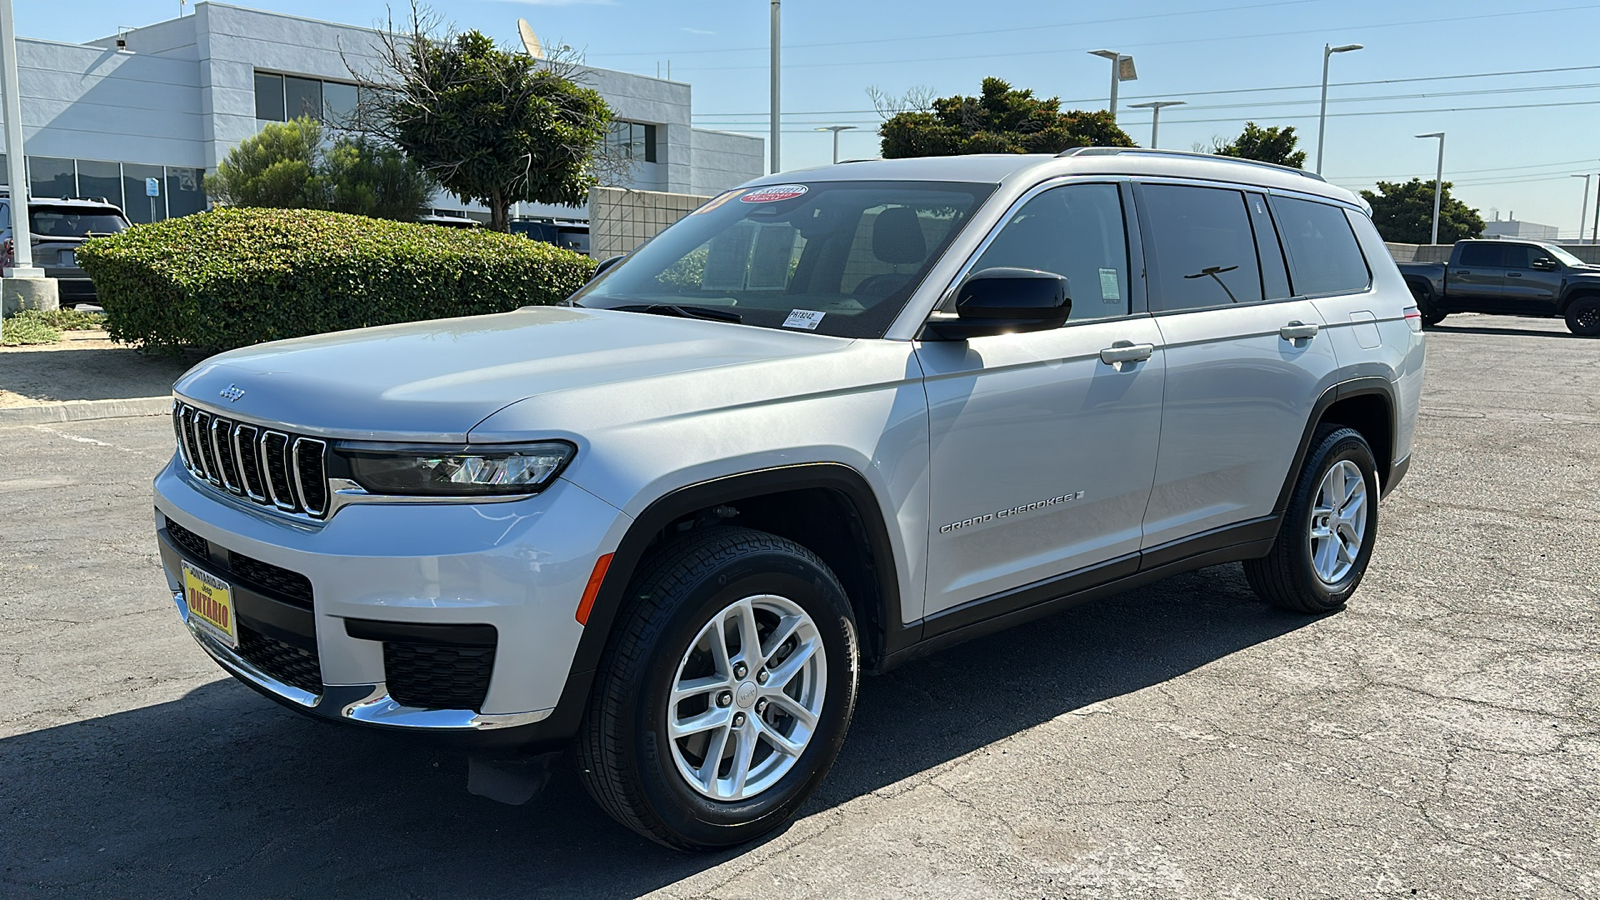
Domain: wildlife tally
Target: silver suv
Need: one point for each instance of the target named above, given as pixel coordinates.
(831, 421)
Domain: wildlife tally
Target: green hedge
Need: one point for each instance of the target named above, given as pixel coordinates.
(233, 277)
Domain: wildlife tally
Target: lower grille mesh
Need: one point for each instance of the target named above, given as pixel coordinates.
(437, 676)
(280, 583)
(289, 664)
(188, 540)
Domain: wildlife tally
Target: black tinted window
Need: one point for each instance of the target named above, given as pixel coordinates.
(1274, 270)
(1204, 247)
(49, 222)
(1322, 248)
(1077, 232)
(1521, 256)
(1482, 255)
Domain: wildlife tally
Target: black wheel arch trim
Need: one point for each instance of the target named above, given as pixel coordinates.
(1356, 387)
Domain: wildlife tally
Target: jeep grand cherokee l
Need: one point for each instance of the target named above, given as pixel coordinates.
(828, 422)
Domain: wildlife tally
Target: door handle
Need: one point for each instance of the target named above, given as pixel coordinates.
(1126, 351)
(1513, 274)
(1463, 271)
(1298, 331)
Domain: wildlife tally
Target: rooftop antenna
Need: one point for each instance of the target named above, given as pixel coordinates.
(530, 41)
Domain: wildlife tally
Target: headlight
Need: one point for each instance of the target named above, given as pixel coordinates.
(445, 470)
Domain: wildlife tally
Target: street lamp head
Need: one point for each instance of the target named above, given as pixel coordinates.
(1157, 104)
(1106, 54)
(837, 128)
(1434, 134)
(1344, 48)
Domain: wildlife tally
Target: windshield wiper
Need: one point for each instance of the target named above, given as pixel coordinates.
(683, 312)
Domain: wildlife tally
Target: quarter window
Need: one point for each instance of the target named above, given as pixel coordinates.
(1322, 248)
(1203, 247)
(1076, 231)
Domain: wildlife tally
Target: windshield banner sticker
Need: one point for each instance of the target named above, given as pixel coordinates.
(808, 319)
(774, 193)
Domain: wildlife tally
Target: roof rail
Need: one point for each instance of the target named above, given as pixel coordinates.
(1184, 154)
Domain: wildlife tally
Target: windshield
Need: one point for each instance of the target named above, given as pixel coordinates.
(838, 258)
(1566, 258)
(74, 222)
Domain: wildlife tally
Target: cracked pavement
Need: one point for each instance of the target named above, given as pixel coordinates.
(1440, 738)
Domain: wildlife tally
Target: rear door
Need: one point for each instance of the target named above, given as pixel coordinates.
(1042, 453)
(1476, 280)
(1245, 357)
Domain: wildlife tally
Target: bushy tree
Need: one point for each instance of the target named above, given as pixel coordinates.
(493, 125)
(1270, 145)
(999, 120)
(1403, 213)
(288, 166)
(276, 168)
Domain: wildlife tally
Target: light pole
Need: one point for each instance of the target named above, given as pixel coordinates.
(1438, 182)
(775, 115)
(1583, 211)
(838, 128)
(1121, 70)
(1155, 107)
(21, 236)
(1328, 50)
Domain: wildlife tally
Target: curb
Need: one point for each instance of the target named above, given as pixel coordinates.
(80, 410)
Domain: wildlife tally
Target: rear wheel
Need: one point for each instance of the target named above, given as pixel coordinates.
(726, 693)
(1425, 304)
(1583, 317)
(1328, 531)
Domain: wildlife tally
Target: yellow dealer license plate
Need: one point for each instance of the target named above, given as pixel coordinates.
(210, 603)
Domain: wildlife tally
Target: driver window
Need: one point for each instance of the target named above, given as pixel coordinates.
(1075, 231)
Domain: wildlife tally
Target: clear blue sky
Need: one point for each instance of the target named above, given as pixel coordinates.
(1217, 55)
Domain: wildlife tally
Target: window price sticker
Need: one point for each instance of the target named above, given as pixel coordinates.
(808, 319)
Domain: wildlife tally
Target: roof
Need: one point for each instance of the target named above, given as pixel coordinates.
(999, 168)
(83, 202)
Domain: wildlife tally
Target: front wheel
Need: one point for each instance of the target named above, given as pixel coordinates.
(726, 693)
(1328, 531)
(1583, 317)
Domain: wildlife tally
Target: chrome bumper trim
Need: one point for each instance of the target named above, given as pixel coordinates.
(368, 704)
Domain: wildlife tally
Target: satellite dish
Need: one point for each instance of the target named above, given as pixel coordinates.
(530, 41)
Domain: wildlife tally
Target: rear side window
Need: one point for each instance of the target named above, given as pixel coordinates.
(1483, 255)
(1204, 247)
(1322, 248)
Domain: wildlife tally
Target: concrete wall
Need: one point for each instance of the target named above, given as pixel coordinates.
(723, 160)
(622, 219)
(1589, 253)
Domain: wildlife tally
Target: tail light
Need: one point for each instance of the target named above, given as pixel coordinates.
(1414, 318)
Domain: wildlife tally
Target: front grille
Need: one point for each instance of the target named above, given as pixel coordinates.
(269, 468)
(291, 587)
(188, 540)
(289, 664)
(437, 676)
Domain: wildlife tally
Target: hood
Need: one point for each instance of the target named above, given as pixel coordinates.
(435, 380)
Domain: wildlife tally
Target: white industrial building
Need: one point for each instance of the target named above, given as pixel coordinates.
(170, 100)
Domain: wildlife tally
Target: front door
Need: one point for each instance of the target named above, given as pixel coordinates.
(1042, 453)
(1529, 291)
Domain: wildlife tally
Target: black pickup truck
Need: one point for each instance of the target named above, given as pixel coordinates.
(1513, 278)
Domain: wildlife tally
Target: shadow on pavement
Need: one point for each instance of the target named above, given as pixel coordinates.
(85, 366)
(224, 794)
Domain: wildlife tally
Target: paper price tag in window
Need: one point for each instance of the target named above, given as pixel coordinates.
(808, 319)
(1110, 292)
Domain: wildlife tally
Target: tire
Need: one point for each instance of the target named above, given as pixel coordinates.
(658, 785)
(1424, 297)
(1583, 317)
(1295, 576)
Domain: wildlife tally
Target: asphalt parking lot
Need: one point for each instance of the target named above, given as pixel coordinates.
(1440, 738)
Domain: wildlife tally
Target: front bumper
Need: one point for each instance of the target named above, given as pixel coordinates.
(514, 570)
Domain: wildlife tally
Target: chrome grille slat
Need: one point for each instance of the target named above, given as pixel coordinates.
(275, 469)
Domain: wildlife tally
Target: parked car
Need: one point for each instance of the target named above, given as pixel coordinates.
(572, 236)
(830, 422)
(449, 221)
(58, 228)
(1509, 278)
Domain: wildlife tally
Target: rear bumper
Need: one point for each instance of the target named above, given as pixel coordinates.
(386, 626)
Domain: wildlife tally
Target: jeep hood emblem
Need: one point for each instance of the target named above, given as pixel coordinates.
(231, 393)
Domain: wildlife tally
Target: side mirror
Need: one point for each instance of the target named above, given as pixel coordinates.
(607, 264)
(1002, 300)
(1545, 264)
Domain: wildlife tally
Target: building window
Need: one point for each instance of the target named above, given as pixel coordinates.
(632, 140)
(269, 97)
(140, 208)
(100, 181)
(302, 97)
(339, 104)
(51, 177)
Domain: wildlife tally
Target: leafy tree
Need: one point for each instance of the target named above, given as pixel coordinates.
(493, 125)
(277, 168)
(1404, 213)
(288, 166)
(999, 120)
(1271, 145)
(370, 178)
